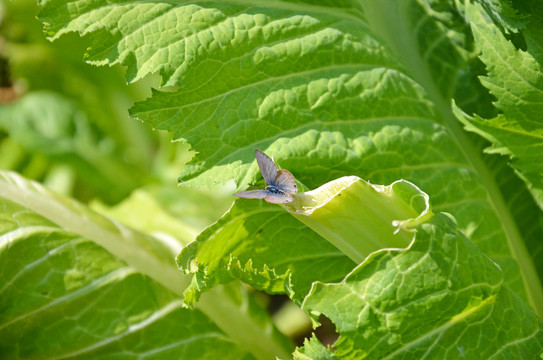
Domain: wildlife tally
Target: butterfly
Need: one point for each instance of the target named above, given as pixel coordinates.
(281, 184)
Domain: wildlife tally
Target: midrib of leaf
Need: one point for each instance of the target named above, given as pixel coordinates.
(228, 310)
(33, 199)
(351, 13)
(386, 17)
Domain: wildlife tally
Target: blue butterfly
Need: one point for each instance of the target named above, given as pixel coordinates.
(281, 184)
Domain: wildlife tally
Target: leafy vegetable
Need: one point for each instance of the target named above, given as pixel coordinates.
(99, 288)
(443, 263)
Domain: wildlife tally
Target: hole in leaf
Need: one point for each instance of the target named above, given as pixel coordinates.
(326, 333)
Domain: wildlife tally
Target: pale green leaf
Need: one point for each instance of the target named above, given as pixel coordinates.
(64, 296)
(117, 254)
(272, 251)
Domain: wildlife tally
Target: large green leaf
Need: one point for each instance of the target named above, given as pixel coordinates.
(355, 88)
(79, 284)
(64, 296)
(328, 91)
(440, 299)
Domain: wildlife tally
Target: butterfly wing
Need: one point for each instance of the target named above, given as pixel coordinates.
(253, 194)
(279, 198)
(267, 167)
(282, 180)
(285, 182)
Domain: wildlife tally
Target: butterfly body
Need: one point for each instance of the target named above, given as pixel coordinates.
(281, 183)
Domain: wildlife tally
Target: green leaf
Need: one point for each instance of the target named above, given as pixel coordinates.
(441, 298)
(312, 350)
(378, 108)
(516, 79)
(69, 269)
(511, 15)
(62, 295)
(331, 154)
(263, 246)
(293, 107)
(162, 29)
(328, 90)
(377, 307)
